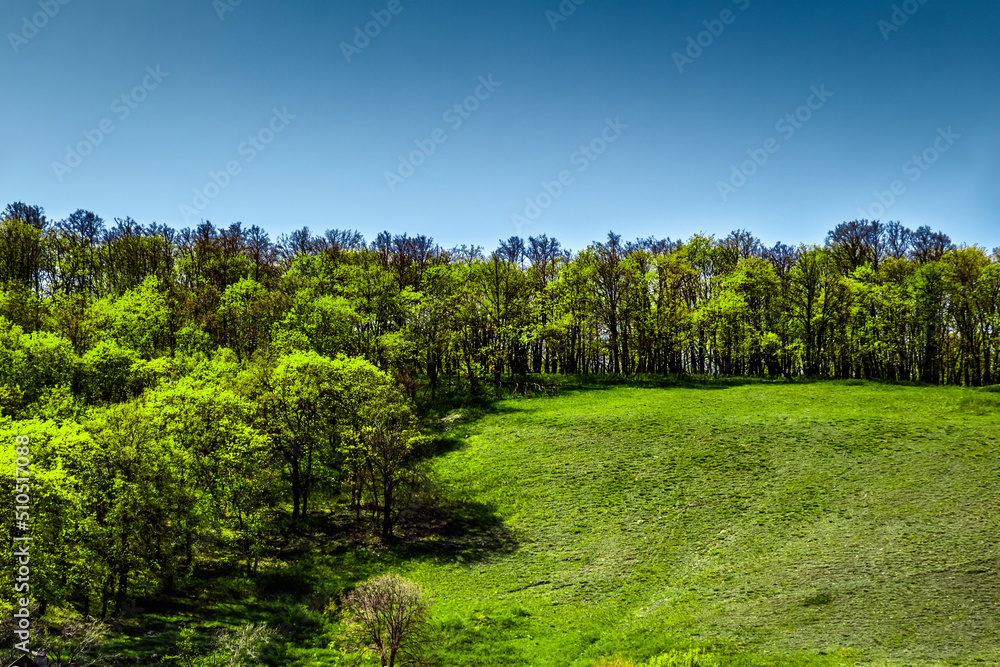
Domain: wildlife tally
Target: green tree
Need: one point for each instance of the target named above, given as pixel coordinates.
(107, 372)
(245, 315)
(929, 293)
(137, 500)
(31, 363)
(228, 471)
(811, 305)
(297, 403)
(137, 320)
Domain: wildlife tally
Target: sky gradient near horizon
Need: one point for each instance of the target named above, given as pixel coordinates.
(470, 122)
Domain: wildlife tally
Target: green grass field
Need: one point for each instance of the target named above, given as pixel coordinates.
(826, 524)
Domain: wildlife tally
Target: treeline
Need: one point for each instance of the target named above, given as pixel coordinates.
(877, 301)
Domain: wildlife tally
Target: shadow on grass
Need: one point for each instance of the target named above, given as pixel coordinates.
(440, 446)
(454, 435)
(585, 383)
(454, 531)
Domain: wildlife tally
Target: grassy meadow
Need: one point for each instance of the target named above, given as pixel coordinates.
(828, 523)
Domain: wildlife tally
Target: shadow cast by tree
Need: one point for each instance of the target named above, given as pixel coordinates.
(449, 531)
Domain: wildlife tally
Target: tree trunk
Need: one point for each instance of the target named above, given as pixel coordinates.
(295, 487)
(387, 512)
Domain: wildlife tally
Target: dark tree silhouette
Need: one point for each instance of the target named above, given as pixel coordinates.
(33, 215)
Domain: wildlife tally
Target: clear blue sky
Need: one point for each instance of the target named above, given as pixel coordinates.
(222, 69)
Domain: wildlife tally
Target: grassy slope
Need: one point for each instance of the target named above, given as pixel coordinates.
(786, 519)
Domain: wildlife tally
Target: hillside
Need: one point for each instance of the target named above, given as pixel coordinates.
(778, 520)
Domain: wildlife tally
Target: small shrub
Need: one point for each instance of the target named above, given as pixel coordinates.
(389, 616)
(74, 641)
(233, 648)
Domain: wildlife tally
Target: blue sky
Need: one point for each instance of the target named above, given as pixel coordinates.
(257, 112)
